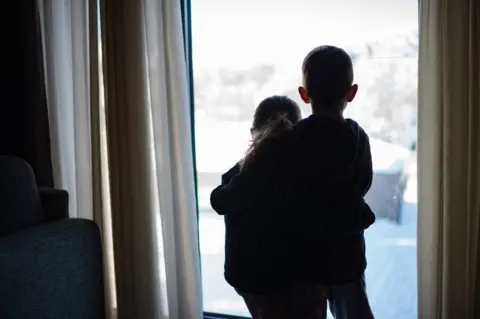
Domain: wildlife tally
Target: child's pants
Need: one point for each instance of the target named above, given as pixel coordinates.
(302, 301)
(348, 301)
(309, 301)
(271, 306)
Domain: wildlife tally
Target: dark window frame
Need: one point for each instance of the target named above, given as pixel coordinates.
(187, 35)
(212, 315)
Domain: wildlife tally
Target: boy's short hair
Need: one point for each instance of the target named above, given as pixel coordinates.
(274, 107)
(328, 75)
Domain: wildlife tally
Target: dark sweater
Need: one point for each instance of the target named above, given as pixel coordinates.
(256, 247)
(335, 172)
(299, 210)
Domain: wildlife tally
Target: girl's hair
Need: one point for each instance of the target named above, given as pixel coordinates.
(274, 116)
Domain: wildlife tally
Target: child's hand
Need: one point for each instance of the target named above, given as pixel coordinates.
(227, 177)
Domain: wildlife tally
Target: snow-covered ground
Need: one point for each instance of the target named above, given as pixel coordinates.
(391, 273)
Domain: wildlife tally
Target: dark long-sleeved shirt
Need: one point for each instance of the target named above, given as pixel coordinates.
(256, 248)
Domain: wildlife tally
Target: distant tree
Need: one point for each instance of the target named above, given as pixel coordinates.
(394, 105)
(369, 51)
(387, 109)
(202, 89)
(232, 77)
(354, 56)
(412, 43)
(232, 91)
(262, 74)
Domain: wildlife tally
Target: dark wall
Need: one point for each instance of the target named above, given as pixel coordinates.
(23, 108)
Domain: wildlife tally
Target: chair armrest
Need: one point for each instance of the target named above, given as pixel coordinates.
(53, 270)
(54, 203)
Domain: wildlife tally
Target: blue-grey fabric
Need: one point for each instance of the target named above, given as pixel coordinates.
(52, 271)
(20, 204)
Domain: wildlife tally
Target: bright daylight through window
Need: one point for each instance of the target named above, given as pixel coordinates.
(244, 51)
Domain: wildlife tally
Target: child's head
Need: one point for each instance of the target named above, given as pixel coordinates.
(327, 79)
(274, 108)
(273, 116)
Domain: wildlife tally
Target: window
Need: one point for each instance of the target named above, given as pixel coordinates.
(244, 51)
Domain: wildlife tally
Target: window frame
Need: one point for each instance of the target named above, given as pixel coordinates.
(185, 6)
(188, 46)
(187, 36)
(213, 315)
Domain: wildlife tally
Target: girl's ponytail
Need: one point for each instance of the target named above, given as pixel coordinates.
(274, 129)
(273, 117)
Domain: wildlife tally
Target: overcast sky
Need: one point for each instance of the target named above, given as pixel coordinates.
(253, 31)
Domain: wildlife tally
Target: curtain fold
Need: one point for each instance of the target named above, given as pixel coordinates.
(130, 161)
(70, 37)
(102, 213)
(172, 127)
(67, 60)
(150, 160)
(449, 159)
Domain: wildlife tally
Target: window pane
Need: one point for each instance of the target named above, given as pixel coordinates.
(244, 51)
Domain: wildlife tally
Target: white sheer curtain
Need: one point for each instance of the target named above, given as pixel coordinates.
(150, 151)
(67, 68)
(449, 160)
(70, 35)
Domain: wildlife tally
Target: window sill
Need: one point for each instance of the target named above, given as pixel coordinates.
(211, 315)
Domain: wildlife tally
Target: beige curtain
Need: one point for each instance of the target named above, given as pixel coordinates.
(449, 160)
(150, 160)
(102, 213)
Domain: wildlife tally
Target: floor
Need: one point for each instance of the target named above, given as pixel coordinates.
(391, 273)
